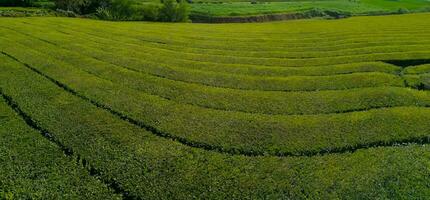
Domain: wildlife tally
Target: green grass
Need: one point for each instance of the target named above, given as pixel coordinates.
(245, 8)
(306, 109)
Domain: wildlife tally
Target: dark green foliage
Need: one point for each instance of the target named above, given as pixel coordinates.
(22, 3)
(172, 11)
(120, 10)
(336, 14)
(403, 11)
(71, 5)
(27, 12)
(182, 11)
(151, 12)
(81, 6)
(167, 11)
(123, 10)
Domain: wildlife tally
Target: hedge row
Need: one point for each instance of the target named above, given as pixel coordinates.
(237, 100)
(420, 69)
(365, 55)
(34, 168)
(306, 59)
(148, 166)
(234, 131)
(84, 45)
(260, 43)
(279, 49)
(244, 57)
(292, 83)
(236, 69)
(419, 81)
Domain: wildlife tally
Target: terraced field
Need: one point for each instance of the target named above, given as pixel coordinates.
(307, 109)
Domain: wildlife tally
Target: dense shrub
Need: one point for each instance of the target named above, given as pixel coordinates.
(314, 12)
(66, 13)
(81, 6)
(123, 10)
(30, 12)
(70, 5)
(403, 11)
(120, 10)
(126, 10)
(151, 12)
(337, 14)
(172, 11)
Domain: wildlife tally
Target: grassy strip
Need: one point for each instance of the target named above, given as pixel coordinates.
(34, 168)
(151, 167)
(236, 100)
(238, 132)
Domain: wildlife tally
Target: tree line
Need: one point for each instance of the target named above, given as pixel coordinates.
(120, 10)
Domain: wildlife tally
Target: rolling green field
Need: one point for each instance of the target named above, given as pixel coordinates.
(305, 109)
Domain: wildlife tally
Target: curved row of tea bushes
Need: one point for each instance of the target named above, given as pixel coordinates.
(291, 83)
(234, 131)
(419, 69)
(314, 58)
(32, 167)
(257, 50)
(88, 46)
(419, 50)
(237, 100)
(304, 59)
(152, 167)
(156, 36)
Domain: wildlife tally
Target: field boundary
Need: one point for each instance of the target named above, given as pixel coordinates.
(196, 18)
(308, 14)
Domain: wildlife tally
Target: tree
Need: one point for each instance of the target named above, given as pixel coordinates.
(172, 11)
(81, 6)
(182, 12)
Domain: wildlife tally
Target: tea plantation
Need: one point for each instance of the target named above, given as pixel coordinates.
(304, 109)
